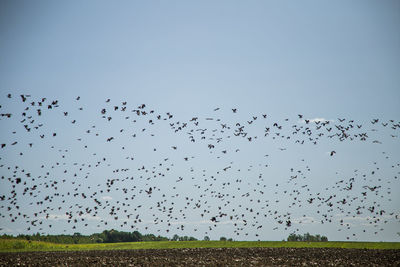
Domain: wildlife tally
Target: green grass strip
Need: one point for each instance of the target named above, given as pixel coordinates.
(15, 245)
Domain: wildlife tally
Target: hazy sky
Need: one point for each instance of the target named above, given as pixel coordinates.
(322, 59)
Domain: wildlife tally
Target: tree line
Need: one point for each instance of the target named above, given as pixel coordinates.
(107, 236)
(307, 237)
(114, 236)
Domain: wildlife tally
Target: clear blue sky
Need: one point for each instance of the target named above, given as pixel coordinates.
(322, 59)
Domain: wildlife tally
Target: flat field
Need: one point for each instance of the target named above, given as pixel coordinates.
(278, 256)
(195, 253)
(13, 245)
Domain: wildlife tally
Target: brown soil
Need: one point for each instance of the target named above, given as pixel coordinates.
(207, 257)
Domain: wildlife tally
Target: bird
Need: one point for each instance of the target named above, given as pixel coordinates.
(96, 176)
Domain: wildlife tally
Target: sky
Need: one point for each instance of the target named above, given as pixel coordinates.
(324, 60)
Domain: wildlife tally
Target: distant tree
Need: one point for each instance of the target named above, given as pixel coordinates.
(307, 237)
(206, 238)
(149, 237)
(136, 236)
(184, 238)
(175, 237)
(292, 237)
(222, 238)
(230, 239)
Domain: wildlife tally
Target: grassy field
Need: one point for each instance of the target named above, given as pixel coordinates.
(23, 245)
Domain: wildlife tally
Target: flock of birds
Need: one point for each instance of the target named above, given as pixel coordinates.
(112, 173)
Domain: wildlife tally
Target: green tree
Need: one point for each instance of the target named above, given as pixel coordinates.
(307, 237)
(184, 238)
(222, 238)
(136, 236)
(206, 238)
(292, 237)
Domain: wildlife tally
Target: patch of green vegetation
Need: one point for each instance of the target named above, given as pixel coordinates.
(9, 245)
(15, 245)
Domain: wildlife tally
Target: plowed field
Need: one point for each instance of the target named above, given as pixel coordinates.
(207, 257)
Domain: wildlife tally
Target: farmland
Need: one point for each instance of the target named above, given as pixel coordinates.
(25, 246)
(182, 253)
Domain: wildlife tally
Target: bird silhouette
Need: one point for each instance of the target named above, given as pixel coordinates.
(85, 178)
